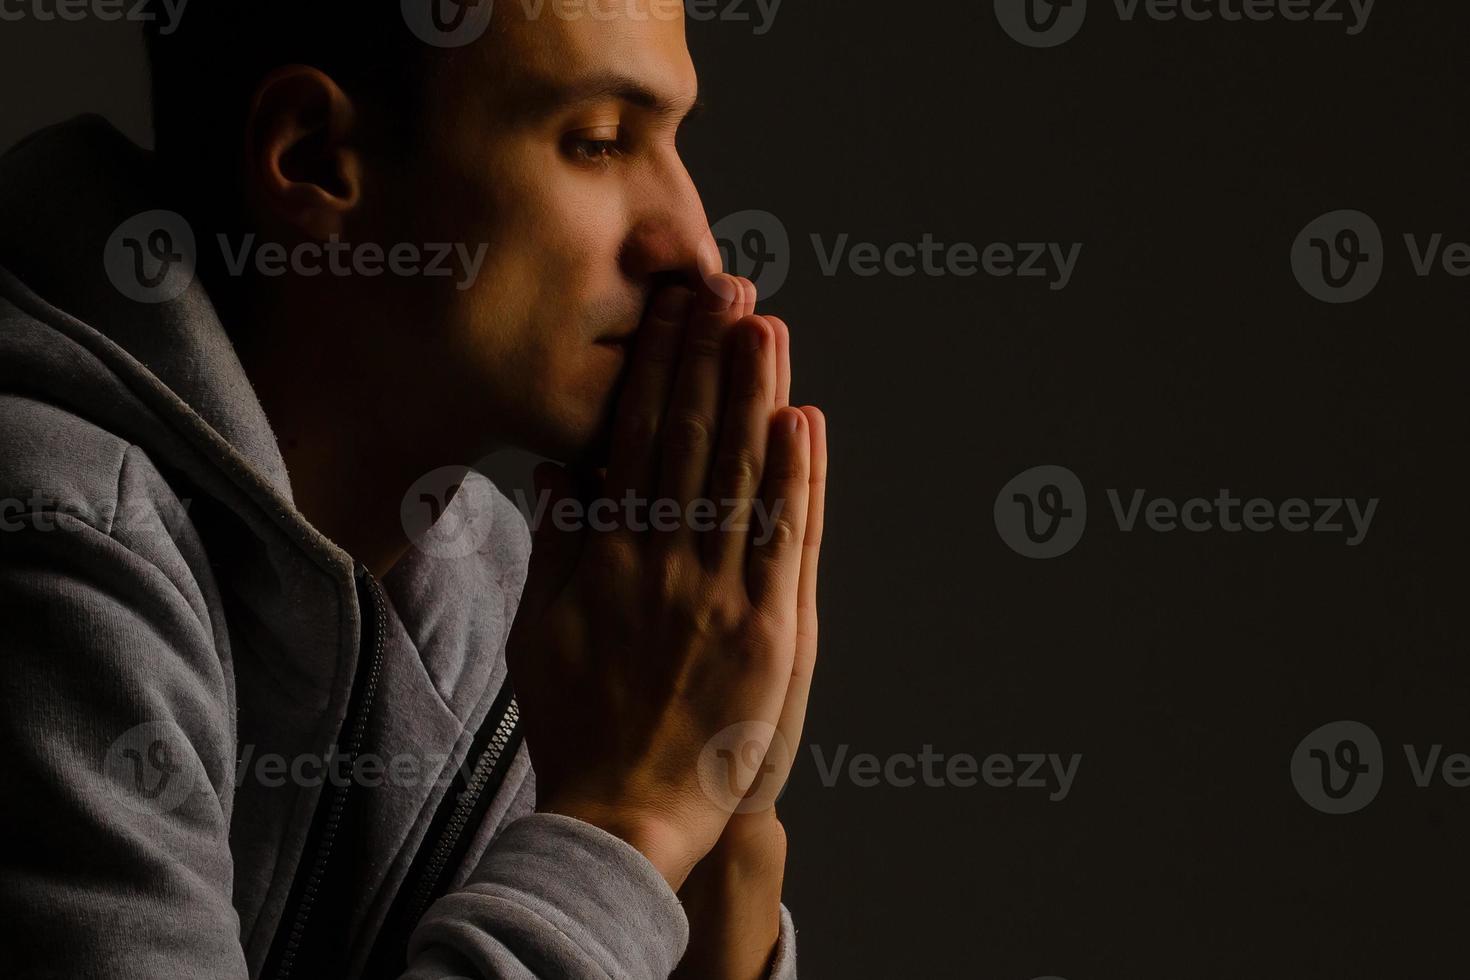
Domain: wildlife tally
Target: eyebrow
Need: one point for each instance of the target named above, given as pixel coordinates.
(539, 96)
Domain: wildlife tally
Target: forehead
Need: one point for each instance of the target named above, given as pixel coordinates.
(542, 52)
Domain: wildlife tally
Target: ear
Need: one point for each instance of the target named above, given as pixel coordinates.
(301, 167)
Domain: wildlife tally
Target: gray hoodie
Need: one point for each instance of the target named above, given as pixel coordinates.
(229, 752)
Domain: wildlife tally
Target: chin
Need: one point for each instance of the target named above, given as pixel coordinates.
(580, 436)
(573, 417)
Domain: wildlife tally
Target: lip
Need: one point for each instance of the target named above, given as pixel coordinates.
(617, 346)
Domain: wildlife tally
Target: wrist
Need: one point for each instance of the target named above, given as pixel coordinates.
(670, 852)
(753, 845)
(733, 900)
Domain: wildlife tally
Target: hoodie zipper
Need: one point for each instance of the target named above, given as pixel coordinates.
(430, 885)
(450, 832)
(329, 818)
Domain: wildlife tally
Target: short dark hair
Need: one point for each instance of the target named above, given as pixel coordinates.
(205, 70)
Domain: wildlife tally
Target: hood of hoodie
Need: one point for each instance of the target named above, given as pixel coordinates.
(165, 377)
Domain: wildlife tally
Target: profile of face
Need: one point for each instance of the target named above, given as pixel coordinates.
(551, 141)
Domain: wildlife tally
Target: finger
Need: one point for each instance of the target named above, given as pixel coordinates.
(783, 360)
(633, 460)
(811, 548)
(692, 419)
(554, 551)
(747, 296)
(775, 557)
(793, 713)
(745, 424)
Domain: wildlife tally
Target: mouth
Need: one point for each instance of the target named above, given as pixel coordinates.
(622, 340)
(619, 349)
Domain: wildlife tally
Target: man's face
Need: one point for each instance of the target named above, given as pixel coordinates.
(552, 141)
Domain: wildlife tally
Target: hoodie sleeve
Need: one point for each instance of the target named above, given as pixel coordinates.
(118, 764)
(554, 897)
(783, 963)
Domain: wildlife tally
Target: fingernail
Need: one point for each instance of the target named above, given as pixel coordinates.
(721, 295)
(789, 422)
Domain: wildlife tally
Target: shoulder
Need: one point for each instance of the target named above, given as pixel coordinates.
(63, 477)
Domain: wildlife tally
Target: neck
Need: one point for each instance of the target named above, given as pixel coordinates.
(348, 471)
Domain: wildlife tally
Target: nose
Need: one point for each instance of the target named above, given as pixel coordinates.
(669, 240)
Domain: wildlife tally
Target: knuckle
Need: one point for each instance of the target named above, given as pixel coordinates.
(719, 616)
(701, 609)
(613, 558)
(786, 470)
(705, 343)
(690, 435)
(783, 533)
(737, 470)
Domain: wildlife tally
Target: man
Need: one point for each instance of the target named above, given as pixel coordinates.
(258, 707)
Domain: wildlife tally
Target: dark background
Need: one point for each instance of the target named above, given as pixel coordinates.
(1183, 358)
